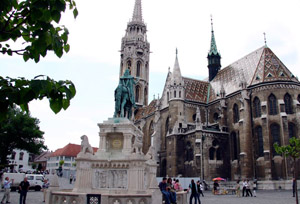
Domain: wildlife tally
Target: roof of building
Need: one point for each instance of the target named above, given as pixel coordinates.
(195, 90)
(259, 66)
(70, 150)
(42, 157)
(145, 111)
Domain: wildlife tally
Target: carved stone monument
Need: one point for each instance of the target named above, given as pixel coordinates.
(119, 167)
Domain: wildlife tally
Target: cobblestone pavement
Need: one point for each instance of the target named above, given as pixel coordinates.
(263, 197)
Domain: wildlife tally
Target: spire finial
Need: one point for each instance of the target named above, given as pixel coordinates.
(265, 38)
(176, 51)
(137, 12)
(212, 23)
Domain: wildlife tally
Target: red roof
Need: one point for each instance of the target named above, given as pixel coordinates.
(146, 111)
(70, 150)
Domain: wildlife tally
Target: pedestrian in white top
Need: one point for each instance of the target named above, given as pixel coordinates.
(6, 187)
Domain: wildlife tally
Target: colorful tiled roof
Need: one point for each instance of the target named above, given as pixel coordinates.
(260, 66)
(195, 90)
(70, 150)
(145, 111)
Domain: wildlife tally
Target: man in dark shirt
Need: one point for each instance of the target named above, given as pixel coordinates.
(23, 187)
(164, 190)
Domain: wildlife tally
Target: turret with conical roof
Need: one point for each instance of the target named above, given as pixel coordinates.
(135, 51)
(214, 57)
(176, 85)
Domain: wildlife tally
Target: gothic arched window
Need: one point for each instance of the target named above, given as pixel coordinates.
(168, 97)
(219, 154)
(212, 153)
(272, 105)
(292, 130)
(298, 98)
(275, 134)
(234, 145)
(236, 116)
(151, 131)
(257, 107)
(138, 69)
(174, 94)
(260, 139)
(137, 93)
(179, 94)
(167, 126)
(145, 96)
(216, 117)
(288, 104)
(129, 64)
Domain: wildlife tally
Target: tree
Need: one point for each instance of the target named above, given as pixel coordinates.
(20, 130)
(30, 28)
(292, 150)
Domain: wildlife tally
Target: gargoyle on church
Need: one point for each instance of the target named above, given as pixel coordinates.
(223, 126)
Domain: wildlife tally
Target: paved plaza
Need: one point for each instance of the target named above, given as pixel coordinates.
(263, 197)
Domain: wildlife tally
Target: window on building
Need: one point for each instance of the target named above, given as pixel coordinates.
(167, 126)
(138, 69)
(260, 140)
(137, 94)
(179, 94)
(234, 145)
(288, 104)
(219, 154)
(216, 117)
(272, 105)
(168, 97)
(13, 155)
(174, 94)
(298, 98)
(256, 107)
(21, 155)
(145, 96)
(189, 151)
(275, 134)
(236, 116)
(212, 153)
(292, 130)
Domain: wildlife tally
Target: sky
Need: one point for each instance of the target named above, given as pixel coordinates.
(92, 63)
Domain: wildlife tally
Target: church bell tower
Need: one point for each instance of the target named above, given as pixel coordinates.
(135, 51)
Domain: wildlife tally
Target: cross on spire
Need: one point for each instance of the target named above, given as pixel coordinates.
(265, 39)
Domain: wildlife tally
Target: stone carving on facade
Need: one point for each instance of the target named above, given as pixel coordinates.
(110, 179)
(137, 144)
(86, 148)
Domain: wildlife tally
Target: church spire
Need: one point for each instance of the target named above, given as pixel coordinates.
(137, 12)
(214, 57)
(213, 44)
(176, 70)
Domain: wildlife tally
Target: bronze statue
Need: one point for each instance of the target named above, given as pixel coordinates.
(124, 96)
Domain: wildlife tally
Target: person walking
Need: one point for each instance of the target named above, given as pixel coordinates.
(238, 189)
(244, 187)
(248, 188)
(194, 193)
(71, 178)
(294, 187)
(45, 187)
(6, 187)
(254, 187)
(23, 189)
(201, 189)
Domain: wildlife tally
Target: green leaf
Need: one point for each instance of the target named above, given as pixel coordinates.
(56, 105)
(66, 104)
(56, 16)
(75, 12)
(67, 48)
(25, 57)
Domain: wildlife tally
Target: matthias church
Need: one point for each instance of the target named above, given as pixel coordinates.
(223, 126)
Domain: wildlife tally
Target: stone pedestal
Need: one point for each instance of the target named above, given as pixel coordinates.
(119, 167)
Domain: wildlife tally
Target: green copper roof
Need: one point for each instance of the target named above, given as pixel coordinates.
(213, 45)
